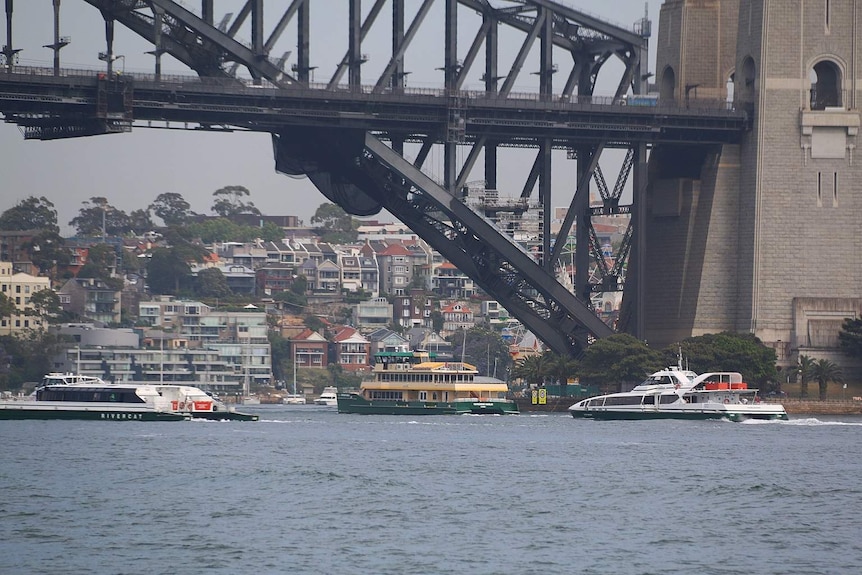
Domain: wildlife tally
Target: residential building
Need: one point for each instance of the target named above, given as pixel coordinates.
(352, 351)
(310, 349)
(396, 269)
(92, 299)
(385, 340)
(457, 316)
(451, 283)
(372, 314)
(19, 288)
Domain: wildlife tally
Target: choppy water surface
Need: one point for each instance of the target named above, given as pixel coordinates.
(306, 490)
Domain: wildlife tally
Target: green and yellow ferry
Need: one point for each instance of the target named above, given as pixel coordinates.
(415, 383)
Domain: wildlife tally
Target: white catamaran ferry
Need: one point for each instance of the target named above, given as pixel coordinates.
(675, 393)
(70, 396)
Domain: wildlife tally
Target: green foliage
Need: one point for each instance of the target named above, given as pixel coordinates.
(7, 306)
(229, 202)
(334, 224)
(97, 216)
(437, 321)
(167, 271)
(850, 337)
(211, 283)
(299, 285)
(31, 213)
(224, 230)
(28, 357)
(47, 249)
(140, 221)
(823, 371)
(483, 348)
(728, 352)
(314, 323)
(618, 359)
(282, 366)
(531, 369)
(172, 208)
(46, 305)
(293, 303)
(806, 369)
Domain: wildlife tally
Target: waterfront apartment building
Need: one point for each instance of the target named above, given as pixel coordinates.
(19, 288)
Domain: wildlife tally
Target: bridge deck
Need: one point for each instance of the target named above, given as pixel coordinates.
(30, 96)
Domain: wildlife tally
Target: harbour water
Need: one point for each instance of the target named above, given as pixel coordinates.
(306, 490)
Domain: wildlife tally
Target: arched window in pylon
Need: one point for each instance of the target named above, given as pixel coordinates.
(667, 87)
(826, 90)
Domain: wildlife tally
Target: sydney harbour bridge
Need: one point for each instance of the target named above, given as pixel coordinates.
(364, 140)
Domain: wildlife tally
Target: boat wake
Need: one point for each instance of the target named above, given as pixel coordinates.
(803, 422)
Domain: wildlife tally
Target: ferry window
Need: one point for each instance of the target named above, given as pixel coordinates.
(668, 398)
(649, 400)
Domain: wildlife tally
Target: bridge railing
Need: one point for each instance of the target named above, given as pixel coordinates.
(232, 85)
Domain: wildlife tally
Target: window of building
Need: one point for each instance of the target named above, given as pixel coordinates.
(826, 91)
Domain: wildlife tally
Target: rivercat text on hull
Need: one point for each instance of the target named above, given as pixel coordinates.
(69, 396)
(412, 383)
(675, 393)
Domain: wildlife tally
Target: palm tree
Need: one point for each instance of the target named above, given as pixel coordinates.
(560, 368)
(806, 364)
(529, 369)
(825, 371)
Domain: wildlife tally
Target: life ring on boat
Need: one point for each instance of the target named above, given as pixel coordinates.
(726, 400)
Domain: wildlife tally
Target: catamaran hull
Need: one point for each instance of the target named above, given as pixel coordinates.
(612, 415)
(18, 412)
(224, 416)
(350, 403)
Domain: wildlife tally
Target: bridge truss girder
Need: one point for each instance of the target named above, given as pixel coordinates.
(213, 50)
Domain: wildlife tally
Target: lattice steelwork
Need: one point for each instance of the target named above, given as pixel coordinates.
(349, 133)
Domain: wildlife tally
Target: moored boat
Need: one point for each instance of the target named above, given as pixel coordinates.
(70, 396)
(413, 383)
(675, 393)
(329, 397)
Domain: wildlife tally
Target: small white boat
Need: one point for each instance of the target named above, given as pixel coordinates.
(294, 399)
(328, 397)
(250, 400)
(675, 393)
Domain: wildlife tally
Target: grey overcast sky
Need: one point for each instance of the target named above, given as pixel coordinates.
(130, 170)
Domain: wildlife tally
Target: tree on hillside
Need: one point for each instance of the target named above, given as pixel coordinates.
(140, 221)
(172, 208)
(31, 213)
(212, 283)
(97, 216)
(46, 305)
(47, 250)
(334, 225)
(7, 306)
(850, 337)
(618, 359)
(229, 202)
(167, 272)
(823, 371)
